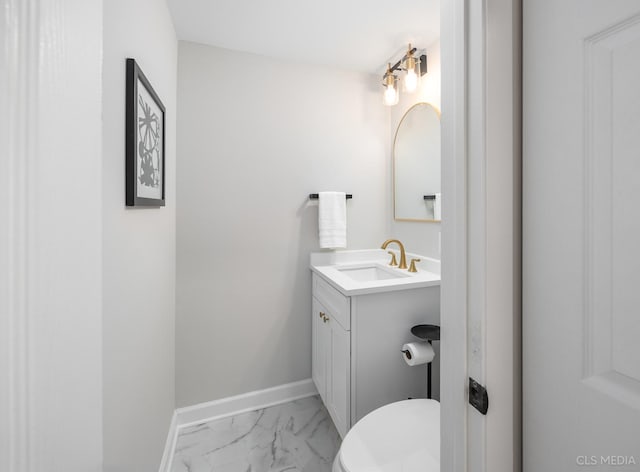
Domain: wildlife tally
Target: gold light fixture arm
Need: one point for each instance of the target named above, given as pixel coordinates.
(408, 59)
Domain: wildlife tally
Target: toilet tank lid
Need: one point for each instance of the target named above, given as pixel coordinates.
(403, 436)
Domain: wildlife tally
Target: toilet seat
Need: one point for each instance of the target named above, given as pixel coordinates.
(402, 436)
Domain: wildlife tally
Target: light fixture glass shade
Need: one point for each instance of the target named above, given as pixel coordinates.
(391, 93)
(412, 74)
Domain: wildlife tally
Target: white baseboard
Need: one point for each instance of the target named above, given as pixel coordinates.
(170, 445)
(203, 412)
(190, 415)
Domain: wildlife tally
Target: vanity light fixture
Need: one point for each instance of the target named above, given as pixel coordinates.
(411, 65)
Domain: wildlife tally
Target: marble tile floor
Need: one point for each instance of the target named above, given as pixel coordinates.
(297, 436)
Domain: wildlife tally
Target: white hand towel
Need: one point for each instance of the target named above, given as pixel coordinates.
(332, 219)
(437, 207)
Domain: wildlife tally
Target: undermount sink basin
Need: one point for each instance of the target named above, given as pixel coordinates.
(370, 273)
(366, 271)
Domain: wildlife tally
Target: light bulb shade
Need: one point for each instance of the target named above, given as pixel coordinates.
(391, 93)
(412, 74)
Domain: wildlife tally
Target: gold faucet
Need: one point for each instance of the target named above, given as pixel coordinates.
(403, 256)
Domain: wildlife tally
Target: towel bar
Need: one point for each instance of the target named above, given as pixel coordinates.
(314, 196)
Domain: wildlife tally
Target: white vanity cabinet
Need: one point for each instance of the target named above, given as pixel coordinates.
(357, 365)
(331, 352)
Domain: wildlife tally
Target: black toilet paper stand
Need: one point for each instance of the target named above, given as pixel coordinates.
(429, 333)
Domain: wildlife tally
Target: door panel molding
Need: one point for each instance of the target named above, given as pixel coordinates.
(607, 366)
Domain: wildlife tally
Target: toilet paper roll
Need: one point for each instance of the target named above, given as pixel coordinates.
(418, 353)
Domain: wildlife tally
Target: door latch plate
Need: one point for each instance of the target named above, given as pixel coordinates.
(478, 397)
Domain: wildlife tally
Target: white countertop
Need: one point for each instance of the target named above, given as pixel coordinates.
(331, 267)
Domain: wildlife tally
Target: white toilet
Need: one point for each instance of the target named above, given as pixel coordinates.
(400, 437)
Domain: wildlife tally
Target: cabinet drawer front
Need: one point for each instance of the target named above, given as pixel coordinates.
(338, 305)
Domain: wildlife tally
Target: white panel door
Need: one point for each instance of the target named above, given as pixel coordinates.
(581, 230)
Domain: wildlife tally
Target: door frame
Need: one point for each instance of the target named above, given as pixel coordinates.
(481, 244)
(50, 236)
(453, 346)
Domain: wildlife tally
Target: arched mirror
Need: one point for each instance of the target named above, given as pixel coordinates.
(416, 165)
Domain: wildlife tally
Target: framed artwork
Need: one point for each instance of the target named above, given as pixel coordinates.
(145, 141)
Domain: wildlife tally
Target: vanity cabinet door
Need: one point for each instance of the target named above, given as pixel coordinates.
(331, 364)
(319, 348)
(339, 376)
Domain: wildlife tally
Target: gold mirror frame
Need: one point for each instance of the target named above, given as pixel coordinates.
(395, 138)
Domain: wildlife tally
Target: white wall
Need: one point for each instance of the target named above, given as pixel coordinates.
(50, 236)
(418, 237)
(255, 137)
(139, 249)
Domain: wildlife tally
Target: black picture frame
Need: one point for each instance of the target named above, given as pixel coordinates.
(145, 141)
